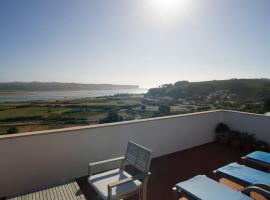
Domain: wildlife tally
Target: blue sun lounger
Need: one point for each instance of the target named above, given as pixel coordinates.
(258, 157)
(244, 175)
(203, 188)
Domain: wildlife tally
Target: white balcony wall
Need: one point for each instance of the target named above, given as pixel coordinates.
(248, 122)
(49, 157)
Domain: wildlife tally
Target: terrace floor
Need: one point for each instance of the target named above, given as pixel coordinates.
(173, 168)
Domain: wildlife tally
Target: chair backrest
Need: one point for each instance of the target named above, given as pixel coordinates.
(138, 156)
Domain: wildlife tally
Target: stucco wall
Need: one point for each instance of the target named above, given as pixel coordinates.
(44, 158)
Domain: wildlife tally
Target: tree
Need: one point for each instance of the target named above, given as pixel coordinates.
(164, 109)
(112, 116)
(143, 108)
(12, 130)
(267, 105)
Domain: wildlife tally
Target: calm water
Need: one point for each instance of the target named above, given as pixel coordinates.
(57, 95)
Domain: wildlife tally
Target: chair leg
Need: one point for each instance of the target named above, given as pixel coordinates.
(144, 188)
(140, 194)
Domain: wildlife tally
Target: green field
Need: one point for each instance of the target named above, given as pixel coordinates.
(29, 112)
(6, 107)
(43, 115)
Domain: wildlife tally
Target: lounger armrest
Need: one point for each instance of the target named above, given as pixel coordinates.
(244, 159)
(263, 186)
(258, 190)
(93, 165)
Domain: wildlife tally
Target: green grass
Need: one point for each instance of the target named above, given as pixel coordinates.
(103, 102)
(178, 109)
(6, 107)
(43, 115)
(115, 102)
(152, 108)
(30, 112)
(96, 117)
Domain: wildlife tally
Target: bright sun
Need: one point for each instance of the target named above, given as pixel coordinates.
(168, 8)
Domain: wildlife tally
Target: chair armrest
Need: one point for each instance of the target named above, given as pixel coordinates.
(127, 180)
(247, 160)
(124, 181)
(91, 166)
(261, 191)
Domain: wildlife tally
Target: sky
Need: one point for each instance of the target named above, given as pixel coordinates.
(142, 42)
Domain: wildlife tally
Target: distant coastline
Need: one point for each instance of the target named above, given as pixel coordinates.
(57, 86)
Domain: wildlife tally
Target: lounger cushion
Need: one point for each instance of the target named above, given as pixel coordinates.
(101, 181)
(259, 156)
(244, 174)
(204, 188)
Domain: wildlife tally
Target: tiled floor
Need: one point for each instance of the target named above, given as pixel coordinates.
(60, 192)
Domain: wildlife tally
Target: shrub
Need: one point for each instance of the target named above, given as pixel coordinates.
(164, 109)
(248, 138)
(261, 145)
(222, 133)
(12, 130)
(112, 116)
(235, 135)
(222, 128)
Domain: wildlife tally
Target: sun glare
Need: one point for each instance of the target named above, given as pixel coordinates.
(168, 8)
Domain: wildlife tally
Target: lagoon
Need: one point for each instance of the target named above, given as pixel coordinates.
(60, 95)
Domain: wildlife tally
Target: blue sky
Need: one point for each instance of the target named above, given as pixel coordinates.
(144, 42)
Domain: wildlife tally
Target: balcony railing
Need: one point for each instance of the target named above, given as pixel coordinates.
(39, 159)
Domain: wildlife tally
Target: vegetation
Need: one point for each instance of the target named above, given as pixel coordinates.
(112, 116)
(267, 105)
(237, 139)
(12, 130)
(240, 89)
(164, 110)
(249, 95)
(43, 115)
(222, 128)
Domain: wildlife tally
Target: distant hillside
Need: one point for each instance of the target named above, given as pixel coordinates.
(235, 89)
(55, 86)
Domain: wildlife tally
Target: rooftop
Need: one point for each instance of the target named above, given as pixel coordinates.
(182, 147)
